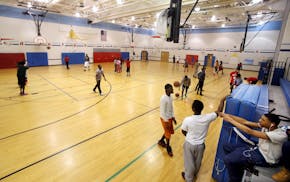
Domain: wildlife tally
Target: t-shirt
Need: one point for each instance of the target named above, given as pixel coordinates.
(233, 77)
(272, 149)
(66, 59)
(196, 127)
(99, 74)
(186, 82)
(166, 108)
(128, 63)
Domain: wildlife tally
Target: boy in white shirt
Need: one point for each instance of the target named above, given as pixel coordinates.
(167, 117)
(195, 128)
(267, 152)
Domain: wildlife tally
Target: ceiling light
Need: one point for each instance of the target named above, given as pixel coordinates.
(256, 1)
(158, 14)
(259, 14)
(197, 9)
(78, 14)
(261, 23)
(95, 9)
(136, 26)
(155, 24)
(133, 18)
(193, 26)
(43, 1)
(29, 5)
(213, 18)
(223, 25)
(119, 1)
(113, 21)
(215, 6)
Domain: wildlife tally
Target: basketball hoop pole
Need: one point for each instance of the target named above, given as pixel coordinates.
(38, 19)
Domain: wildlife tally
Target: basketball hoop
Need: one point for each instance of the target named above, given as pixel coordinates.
(132, 44)
(40, 40)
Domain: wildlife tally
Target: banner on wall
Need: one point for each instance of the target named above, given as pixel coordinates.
(234, 59)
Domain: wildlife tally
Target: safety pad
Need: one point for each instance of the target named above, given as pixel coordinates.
(37, 58)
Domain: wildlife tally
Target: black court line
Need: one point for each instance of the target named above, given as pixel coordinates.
(59, 88)
(79, 143)
(61, 119)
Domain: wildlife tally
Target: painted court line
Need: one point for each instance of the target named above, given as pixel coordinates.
(134, 160)
(79, 143)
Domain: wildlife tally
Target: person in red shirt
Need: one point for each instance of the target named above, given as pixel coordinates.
(66, 60)
(233, 76)
(128, 62)
(251, 80)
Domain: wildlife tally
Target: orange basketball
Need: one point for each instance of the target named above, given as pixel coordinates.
(176, 94)
(176, 84)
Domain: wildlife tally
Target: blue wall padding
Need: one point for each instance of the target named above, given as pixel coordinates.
(252, 94)
(263, 103)
(286, 89)
(247, 110)
(239, 92)
(263, 70)
(74, 58)
(125, 55)
(37, 58)
(246, 101)
(278, 73)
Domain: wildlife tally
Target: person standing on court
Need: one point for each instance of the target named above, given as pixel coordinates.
(66, 60)
(173, 58)
(21, 76)
(185, 82)
(195, 128)
(201, 78)
(167, 117)
(87, 63)
(99, 74)
(128, 65)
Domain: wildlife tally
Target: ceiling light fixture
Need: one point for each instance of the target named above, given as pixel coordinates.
(78, 14)
(197, 9)
(113, 21)
(29, 5)
(256, 1)
(119, 2)
(133, 18)
(223, 25)
(158, 14)
(95, 9)
(213, 18)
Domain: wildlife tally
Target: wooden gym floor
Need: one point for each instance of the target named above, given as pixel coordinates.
(63, 131)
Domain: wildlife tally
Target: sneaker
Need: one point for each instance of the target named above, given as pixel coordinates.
(162, 143)
(169, 151)
(183, 175)
(282, 176)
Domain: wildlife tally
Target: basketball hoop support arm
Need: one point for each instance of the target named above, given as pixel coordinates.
(189, 13)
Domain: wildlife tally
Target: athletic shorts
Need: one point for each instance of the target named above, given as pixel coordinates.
(168, 128)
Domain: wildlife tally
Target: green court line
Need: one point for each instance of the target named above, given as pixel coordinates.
(134, 160)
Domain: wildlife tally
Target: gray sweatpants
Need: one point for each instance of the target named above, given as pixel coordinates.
(192, 159)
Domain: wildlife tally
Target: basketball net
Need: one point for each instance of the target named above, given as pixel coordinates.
(132, 44)
(40, 40)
